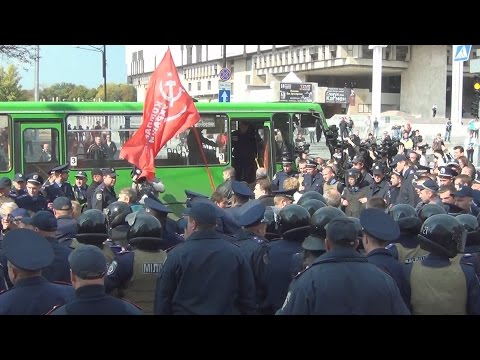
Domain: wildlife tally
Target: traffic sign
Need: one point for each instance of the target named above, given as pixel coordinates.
(462, 52)
(225, 74)
(224, 96)
(224, 85)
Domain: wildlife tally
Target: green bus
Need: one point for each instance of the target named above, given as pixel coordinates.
(36, 136)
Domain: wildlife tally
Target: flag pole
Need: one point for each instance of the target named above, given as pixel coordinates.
(212, 184)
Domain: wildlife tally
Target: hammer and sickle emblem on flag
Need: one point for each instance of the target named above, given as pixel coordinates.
(171, 98)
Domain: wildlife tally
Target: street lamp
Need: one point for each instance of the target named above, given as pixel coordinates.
(104, 64)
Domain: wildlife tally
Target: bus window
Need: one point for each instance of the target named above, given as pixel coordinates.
(5, 144)
(184, 148)
(283, 136)
(93, 144)
(40, 146)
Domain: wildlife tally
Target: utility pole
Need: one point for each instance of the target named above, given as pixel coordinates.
(37, 73)
(377, 80)
(224, 56)
(104, 60)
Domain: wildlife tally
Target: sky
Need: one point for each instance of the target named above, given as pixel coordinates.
(66, 63)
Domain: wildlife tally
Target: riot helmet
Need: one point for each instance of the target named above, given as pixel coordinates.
(92, 221)
(311, 195)
(313, 205)
(442, 234)
(272, 230)
(92, 228)
(293, 218)
(429, 210)
(470, 224)
(321, 218)
(116, 213)
(406, 218)
(145, 231)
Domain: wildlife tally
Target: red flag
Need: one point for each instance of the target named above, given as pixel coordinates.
(167, 111)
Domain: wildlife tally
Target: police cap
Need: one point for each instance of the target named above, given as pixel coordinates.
(252, 213)
(81, 174)
(5, 182)
(19, 213)
(109, 172)
(447, 172)
(310, 163)
(358, 159)
(97, 171)
(342, 231)
(204, 213)
(192, 194)
(27, 249)
(428, 184)
(241, 189)
(397, 158)
(464, 191)
(19, 177)
(377, 170)
(59, 168)
(286, 160)
(62, 203)
(43, 220)
(88, 262)
(156, 206)
(380, 225)
(34, 178)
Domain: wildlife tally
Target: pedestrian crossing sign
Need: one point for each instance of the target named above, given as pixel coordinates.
(461, 52)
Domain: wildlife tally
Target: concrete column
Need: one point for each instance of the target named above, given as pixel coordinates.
(377, 80)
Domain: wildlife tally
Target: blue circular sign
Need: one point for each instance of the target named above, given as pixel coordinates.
(225, 74)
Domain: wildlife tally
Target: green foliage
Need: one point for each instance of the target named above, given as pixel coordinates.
(10, 88)
(118, 92)
(72, 92)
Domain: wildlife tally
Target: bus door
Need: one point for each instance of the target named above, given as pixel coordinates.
(251, 148)
(39, 146)
(282, 135)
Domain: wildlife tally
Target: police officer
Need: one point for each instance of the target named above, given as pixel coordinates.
(92, 230)
(105, 194)
(440, 283)
(313, 205)
(19, 185)
(33, 200)
(407, 194)
(281, 176)
(245, 142)
(470, 224)
(254, 246)
(116, 213)
(378, 230)
(66, 224)
(229, 288)
(80, 188)
(160, 212)
(97, 179)
(310, 195)
(28, 253)
(45, 224)
(293, 223)
(134, 273)
(379, 187)
(321, 290)
(5, 190)
(59, 187)
(406, 248)
(314, 245)
(313, 179)
(88, 268)
(241, 194)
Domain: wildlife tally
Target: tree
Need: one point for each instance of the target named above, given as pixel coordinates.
(118, 92)
(22, 53)
(10, 88)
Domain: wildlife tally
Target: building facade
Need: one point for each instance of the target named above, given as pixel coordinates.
(414, 77)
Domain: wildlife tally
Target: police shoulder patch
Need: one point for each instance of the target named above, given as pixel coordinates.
(113, 266)
(98, 196)
(389, 246)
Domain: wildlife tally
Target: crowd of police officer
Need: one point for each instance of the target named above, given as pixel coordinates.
(311, 243)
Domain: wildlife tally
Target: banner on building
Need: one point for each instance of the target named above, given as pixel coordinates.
(293, 92)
